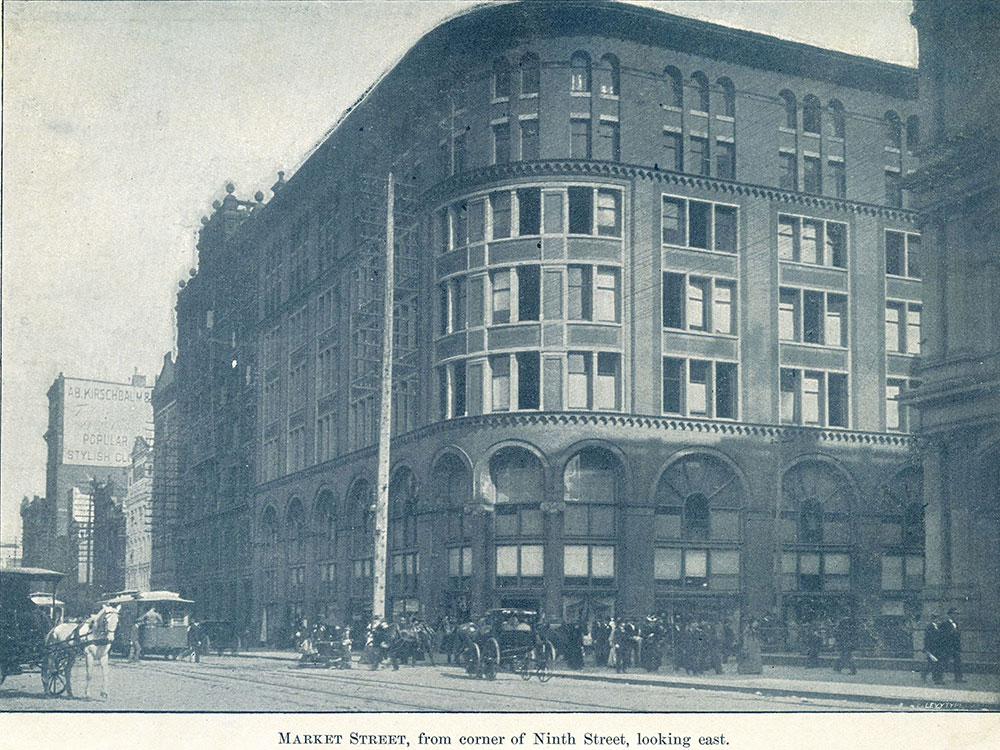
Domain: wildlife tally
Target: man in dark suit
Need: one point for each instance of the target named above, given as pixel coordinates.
(933, 650)
(951, 637)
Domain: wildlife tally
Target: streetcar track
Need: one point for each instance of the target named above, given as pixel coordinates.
(331, 679)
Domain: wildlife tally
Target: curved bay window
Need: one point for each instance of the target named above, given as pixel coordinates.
(518, 484)
(697, 525)
(404, 560)
(325, 538)
(609, 80)
(529, 74)
(815, 528)
(580, 77)
(591, 488)
(901, 532)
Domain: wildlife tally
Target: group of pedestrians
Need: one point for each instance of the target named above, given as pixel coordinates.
(942, 648)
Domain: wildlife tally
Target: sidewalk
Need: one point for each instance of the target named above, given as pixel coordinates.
(889, 687)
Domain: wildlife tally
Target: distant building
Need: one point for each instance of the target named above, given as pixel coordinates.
(163, 517)
(138, 511)
(92, 427)
(959, 366)
(10, 554)
(107, 540)
(37, 531)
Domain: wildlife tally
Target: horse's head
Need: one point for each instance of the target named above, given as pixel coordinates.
(107, 621)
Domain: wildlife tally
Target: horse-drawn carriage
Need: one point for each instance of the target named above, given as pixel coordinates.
(158, 620)
(509, 639)
(25, 620)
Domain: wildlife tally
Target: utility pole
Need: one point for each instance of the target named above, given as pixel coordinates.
(385, 417)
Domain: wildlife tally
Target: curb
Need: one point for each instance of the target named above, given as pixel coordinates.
(789, 692)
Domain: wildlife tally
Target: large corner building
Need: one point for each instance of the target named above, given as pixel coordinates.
(658, 298)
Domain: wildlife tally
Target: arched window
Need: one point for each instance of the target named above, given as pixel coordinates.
(791, 113)
(697, 525)
(811, 114)
(295, 530)
(452, 484)
(518, 485)
(580, 76)
(675, 87)
(728, 97)
(700, 82)
(529, 73)
(610, 76)
(902, 532)
(591, 487)
(325, 525)
(815, 527)
(402, 509)
(501, 79)
(912, 133)
(835, 119)
(893, 131)
(361, 507)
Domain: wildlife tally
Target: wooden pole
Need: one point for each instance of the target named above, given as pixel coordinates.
(385, 419)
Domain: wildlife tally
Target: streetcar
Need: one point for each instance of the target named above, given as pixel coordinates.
(164, 633)
(512, 640)
(25, 621)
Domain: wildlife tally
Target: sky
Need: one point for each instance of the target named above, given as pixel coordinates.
(122, 122)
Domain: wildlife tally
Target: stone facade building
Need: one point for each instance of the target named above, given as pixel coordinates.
(658, 297)
(138, 511)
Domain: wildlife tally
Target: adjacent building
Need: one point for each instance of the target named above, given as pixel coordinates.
(959, 366)
(138, 511)
(658, 299)
(163, 516)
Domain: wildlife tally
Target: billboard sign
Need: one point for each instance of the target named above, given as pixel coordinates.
(102, 420)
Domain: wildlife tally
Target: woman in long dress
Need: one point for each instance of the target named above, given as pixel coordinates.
(750, 660)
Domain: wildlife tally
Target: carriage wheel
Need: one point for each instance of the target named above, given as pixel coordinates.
(494, 658)
(473, 659)
(524, 664)
(56, 670)
(545, 662)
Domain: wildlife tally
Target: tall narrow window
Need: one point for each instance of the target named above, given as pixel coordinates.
(500, 209)
(791, 113)
(788, 395)
(895, 253)
(672, 152)
(912, 133)
(837, 184)
(696, 318)
(673, 221)
(500, 368)
(725, 390)
(728, 97)
(458, 390)
(810, 248)
(610, 76)
(580, 78)
(812, 179)
(698, 158)
(579, 297)
(835, 333)
(675, 88)
(528, 292)
(609, 213)
(579, 138)
(913, 328)
(699, 224)
(788, 238)
(725, 228)
(529, 74)
(812, 317)
(811, 115)
(501, 79)
(835, 119)
(697, 388)
(893, 189)
(893, 388)
(608, 141)
(581, 210)
(606, 295)
(673, 379)
(811, 405)
(722, 307)
(529, 140)
(787, 171)
(578, 380)
(529, 204)
(894, 341)
(725, 160)
(527, 380)
(700, 83)
(788, 315)
(606, 382)
(501, 143)
(501, 296)
(893, 131)
(673, 300)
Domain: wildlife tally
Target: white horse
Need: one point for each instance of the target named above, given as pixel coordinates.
(95, 636)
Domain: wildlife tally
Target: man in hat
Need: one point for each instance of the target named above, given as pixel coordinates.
(933, 651)
(951, 638)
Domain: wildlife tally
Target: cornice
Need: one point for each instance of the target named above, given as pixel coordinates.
(477, 179)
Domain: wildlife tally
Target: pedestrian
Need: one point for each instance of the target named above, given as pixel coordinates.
(602, 643)
(750, 659)
(134, 648)
(196, 640)
(847, 641)
(814, 642)
(933, 652)
(574, 646)
(951, 637)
